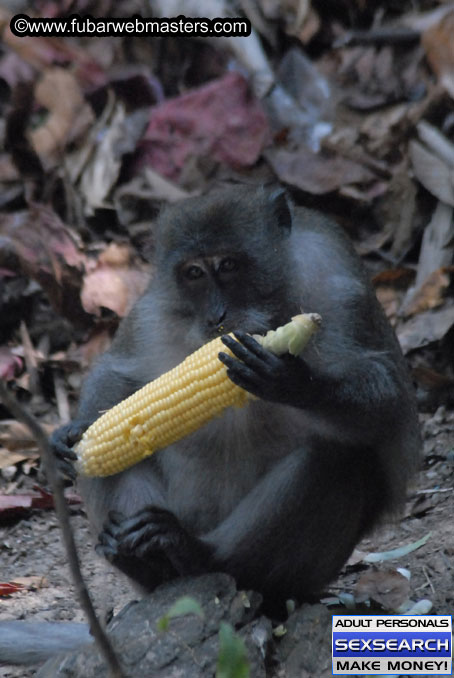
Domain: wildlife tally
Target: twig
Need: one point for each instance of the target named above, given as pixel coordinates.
(426, 574)
(61, 509)
(61, 396)
(377, 36)
(30, 359)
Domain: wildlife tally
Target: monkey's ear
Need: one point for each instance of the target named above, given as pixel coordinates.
(280, 205)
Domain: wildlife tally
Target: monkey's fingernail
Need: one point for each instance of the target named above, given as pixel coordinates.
(240, 336)
(227, 340)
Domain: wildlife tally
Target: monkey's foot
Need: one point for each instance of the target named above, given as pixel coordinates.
(154, 542)
(149, 572)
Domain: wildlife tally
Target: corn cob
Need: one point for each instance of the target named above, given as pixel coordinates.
(176, 404)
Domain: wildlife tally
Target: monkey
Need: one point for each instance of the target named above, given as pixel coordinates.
(277, 493)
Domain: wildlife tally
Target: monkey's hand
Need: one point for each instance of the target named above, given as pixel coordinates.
(282, 379)
(62, 440)
(151, 546)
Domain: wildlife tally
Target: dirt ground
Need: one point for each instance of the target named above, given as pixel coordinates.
(32, 547)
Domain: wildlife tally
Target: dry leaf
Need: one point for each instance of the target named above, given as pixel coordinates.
(113, 283)
(220, 120)
(44, 52)
(389, 300)
(425, 328)
(248, 50)
(102, 156)
(69, 114)
(433, 172)
(389, 588)
(16, 436)
(48, 252)
(316, 173)
(431, 293)
(10, 364)
(439, 46)
(31, 583)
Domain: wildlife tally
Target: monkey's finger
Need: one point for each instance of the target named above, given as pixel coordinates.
(116, 517)
(243, 354)
(150, 537)
(236, 367)
(64, 453)
(65, 468)
(158, 520)
(75, 432)
(247, 382)
(61, 447)
(257, 349)
(106, 539)
(107, 551)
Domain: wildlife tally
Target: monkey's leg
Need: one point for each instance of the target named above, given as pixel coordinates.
(293, 532)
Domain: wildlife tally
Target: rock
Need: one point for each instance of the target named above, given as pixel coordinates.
(305, 650)
(189, 648)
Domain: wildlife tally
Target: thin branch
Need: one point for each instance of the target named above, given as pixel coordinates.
(62, 511)
(377, 36)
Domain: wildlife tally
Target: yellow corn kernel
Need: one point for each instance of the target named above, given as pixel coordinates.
(176, 404)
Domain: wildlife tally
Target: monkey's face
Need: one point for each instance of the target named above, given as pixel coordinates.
(222, 263)
(217, 294)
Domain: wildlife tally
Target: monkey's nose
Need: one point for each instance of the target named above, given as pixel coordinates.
(217, 323)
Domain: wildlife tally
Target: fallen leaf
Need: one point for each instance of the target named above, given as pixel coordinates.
(433, 172)
(69, 115)
(439, 46)
(98, 344)
(399, 552)
(425, 328)
(9, 364)
(9, 458)
(248, 50)
(399, 278)
(431, 379)
(389, 588)
(221, 120)
(14, 505)
(7, 588)
(389, 300)
(431, 294)
(31, 583)
(16, 437)
(316, 173)
(114, 283)
(48, 252)
(119, 136)
(44, 52)
(437, 247)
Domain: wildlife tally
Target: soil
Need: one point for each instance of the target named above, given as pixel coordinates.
(32, 547)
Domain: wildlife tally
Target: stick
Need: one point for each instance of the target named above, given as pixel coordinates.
(61, 509)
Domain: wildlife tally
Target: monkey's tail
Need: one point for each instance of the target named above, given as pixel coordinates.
(24, 642)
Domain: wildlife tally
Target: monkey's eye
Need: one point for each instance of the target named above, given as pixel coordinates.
(228, 265)
(193, 272)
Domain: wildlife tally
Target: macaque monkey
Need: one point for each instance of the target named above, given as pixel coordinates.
(279, 492)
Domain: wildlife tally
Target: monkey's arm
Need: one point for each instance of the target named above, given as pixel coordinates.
(358, 395)
(115, 376)
(109, 383)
